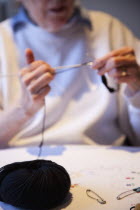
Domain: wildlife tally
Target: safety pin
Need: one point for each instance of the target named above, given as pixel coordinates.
(99, 199)
(127, 193)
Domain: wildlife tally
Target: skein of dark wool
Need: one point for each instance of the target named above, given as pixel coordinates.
(37, 184)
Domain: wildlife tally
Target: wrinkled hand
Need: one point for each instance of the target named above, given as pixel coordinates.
(122, 66)
(35, 79)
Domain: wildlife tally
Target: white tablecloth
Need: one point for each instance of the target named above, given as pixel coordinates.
(108, 171)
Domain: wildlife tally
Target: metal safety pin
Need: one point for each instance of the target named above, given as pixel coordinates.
(127, 193)
(90, 194)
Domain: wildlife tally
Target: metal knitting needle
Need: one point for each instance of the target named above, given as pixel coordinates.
(60, 69)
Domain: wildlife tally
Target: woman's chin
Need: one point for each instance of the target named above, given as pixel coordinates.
(54, 27)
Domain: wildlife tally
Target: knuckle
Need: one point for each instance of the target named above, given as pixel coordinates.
(22, 72)
(26, 81)
(48, 76)
(130, 49)
(48, 68)
(45, 67)
(113, 61)
(36, 64)
(30, 89)
(48, 88)
(39, 62)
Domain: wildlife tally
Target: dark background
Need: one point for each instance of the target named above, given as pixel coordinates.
(128, 11)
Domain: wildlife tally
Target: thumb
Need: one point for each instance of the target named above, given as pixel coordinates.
(29, 56)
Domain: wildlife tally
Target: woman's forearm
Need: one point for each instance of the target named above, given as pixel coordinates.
(11, 122)
(34, 79)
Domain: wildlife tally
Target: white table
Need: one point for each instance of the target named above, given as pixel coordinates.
(106, 170)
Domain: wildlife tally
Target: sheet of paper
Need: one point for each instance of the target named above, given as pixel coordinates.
(108, 171)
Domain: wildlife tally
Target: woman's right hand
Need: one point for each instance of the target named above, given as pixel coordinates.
(35, 79)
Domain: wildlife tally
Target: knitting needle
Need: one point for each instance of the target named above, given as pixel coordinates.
(60, 69)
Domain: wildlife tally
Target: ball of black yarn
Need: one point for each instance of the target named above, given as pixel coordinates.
(38, 184)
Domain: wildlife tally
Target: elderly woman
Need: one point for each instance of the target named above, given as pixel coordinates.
(73, 107)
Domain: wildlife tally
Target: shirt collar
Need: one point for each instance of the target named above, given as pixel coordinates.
(21, 18)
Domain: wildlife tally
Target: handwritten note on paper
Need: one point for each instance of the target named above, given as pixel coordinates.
(107, 171)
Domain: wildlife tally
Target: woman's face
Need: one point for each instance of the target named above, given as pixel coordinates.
(49, 14)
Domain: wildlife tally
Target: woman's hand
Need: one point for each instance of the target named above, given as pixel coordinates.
(122, 66)
(35, 79)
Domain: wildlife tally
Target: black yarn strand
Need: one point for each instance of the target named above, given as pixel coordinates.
(104, 80)
(42, 133)
(111, 90)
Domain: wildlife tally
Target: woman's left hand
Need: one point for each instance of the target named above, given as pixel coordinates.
(122, 66)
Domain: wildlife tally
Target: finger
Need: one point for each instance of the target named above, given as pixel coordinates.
(44, 68)
(122, 51)
(43, 92)
(31, 67)
(99, 63)
(117, 72)
(36, 70)
(29, 77)
(125, 79)
(29, 56)
(115, 62)
(41, 82)
(40, 67)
